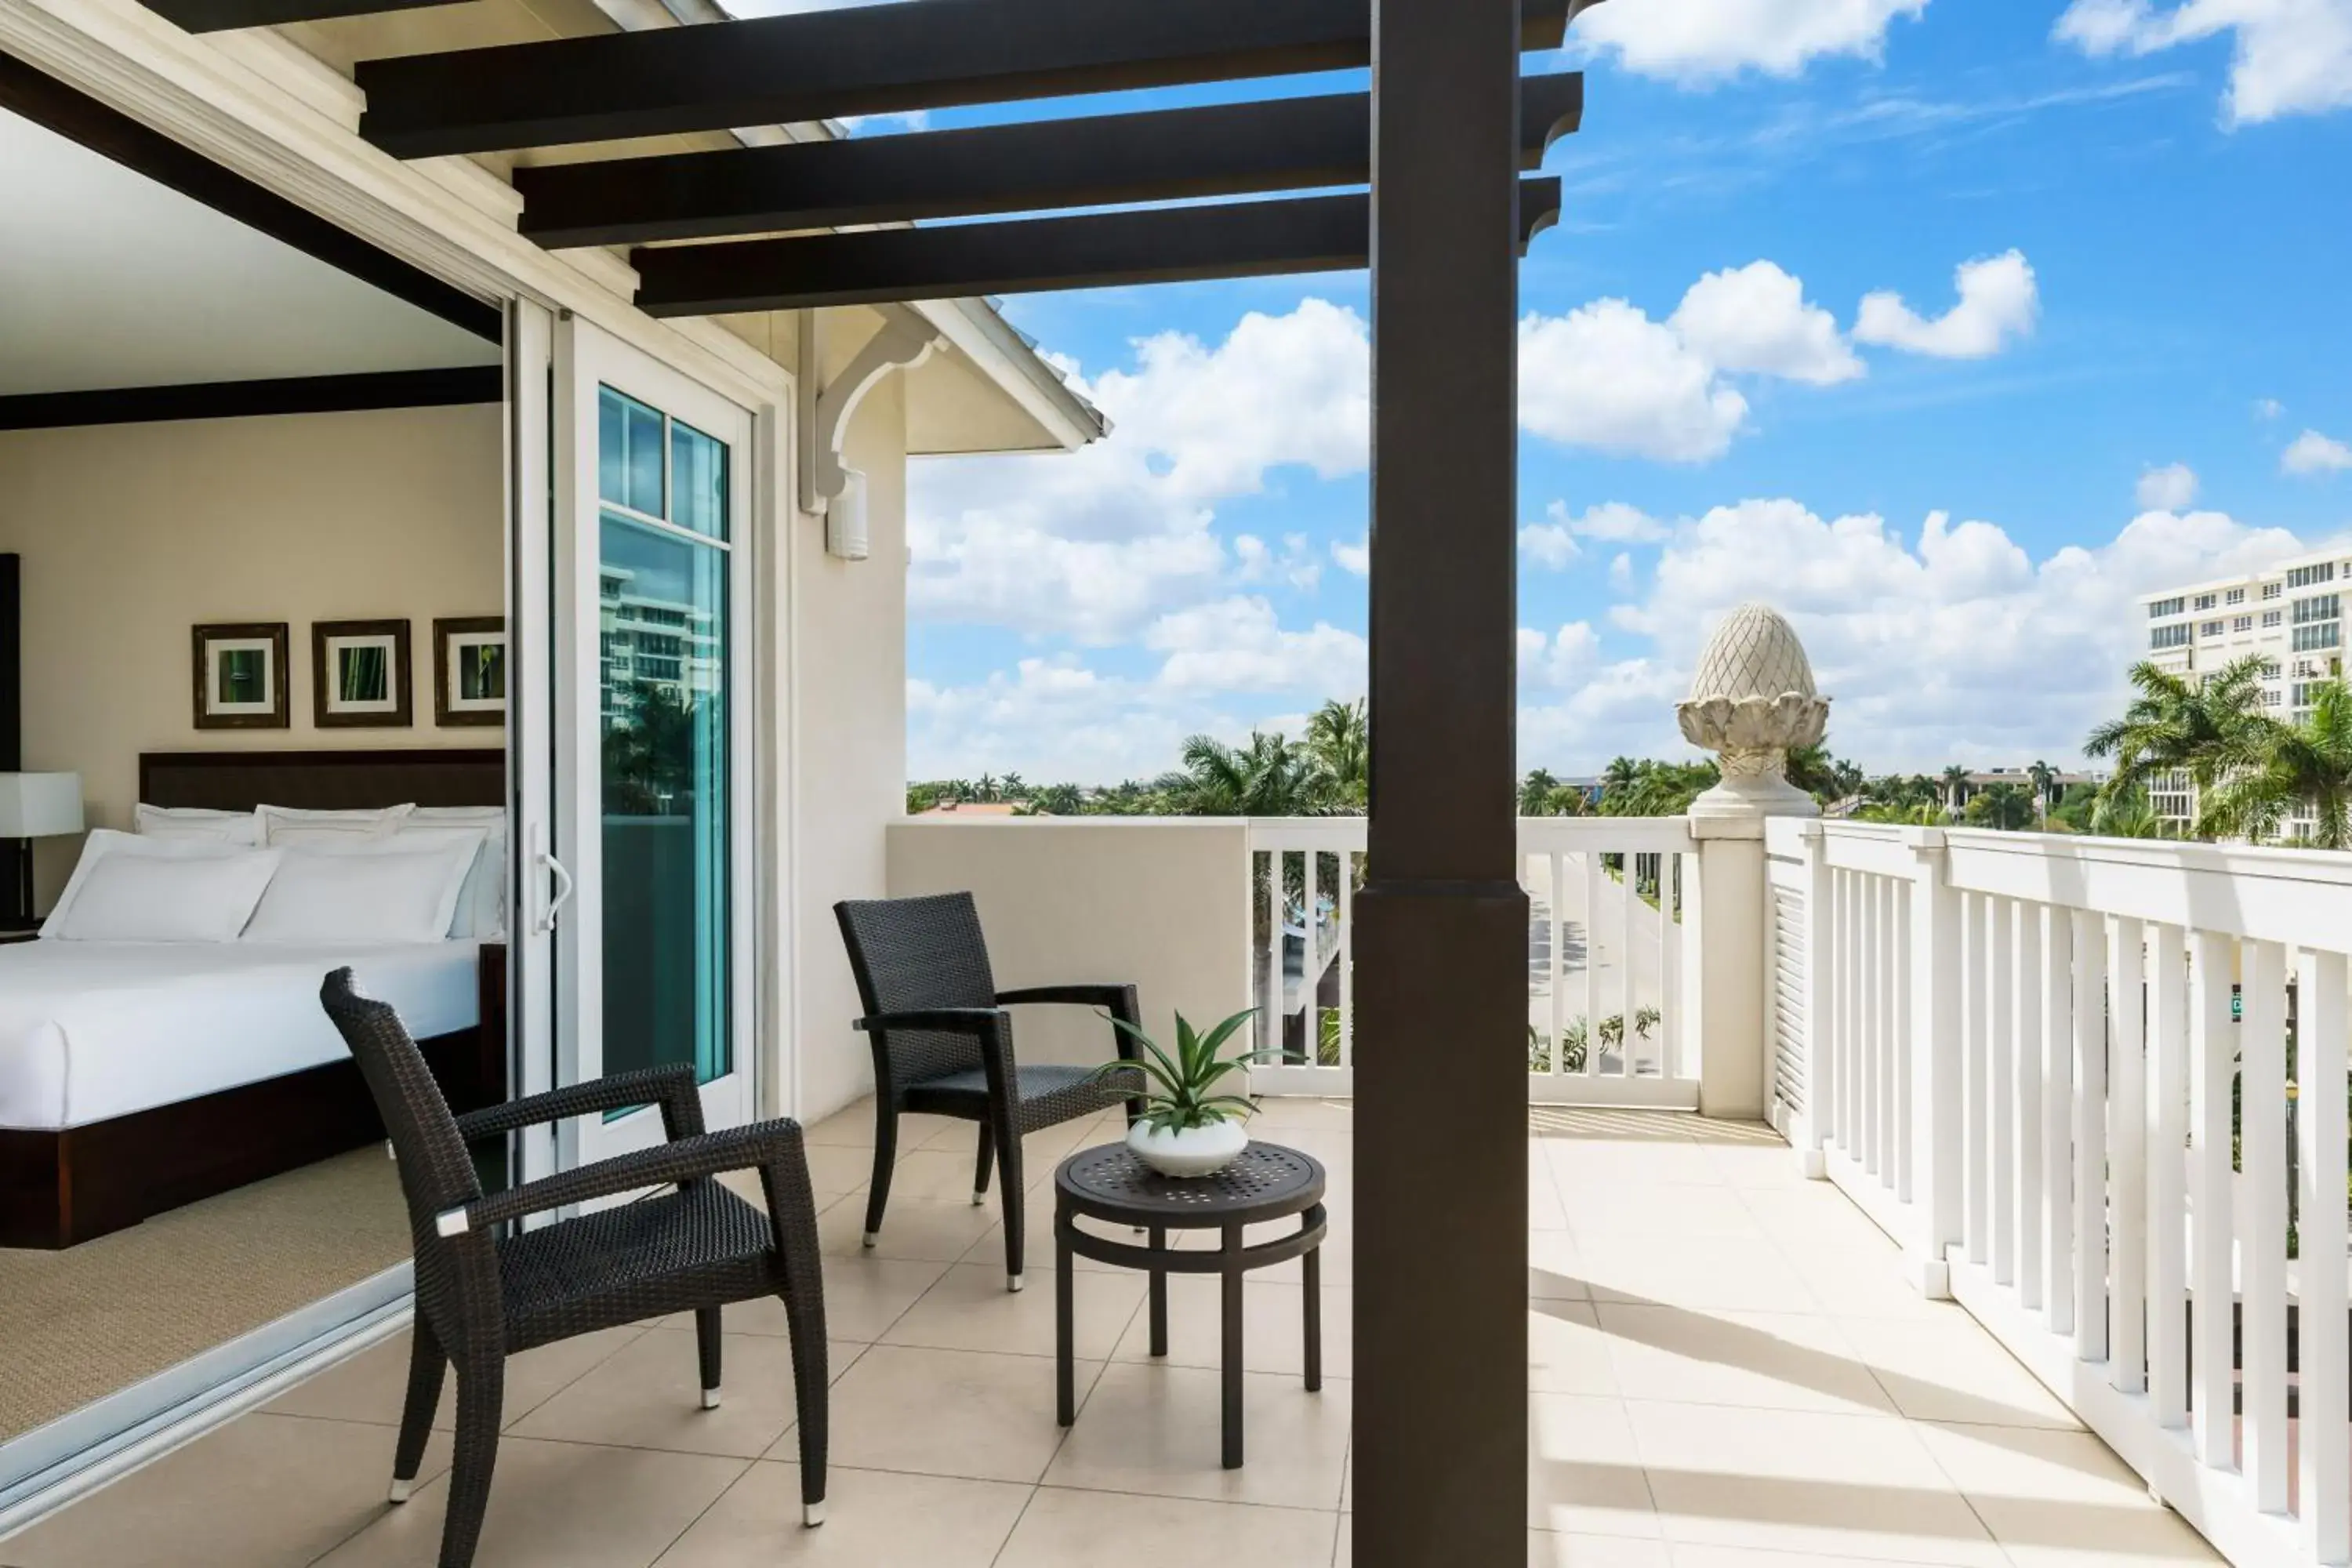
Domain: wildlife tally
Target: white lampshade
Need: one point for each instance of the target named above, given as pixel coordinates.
(39, 805)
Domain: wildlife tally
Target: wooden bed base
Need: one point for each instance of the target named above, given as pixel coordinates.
(61, 1188)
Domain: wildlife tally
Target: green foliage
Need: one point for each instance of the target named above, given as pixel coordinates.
(2286, 767)
(1653, 788)
(1182, 1093)
(2006, 807)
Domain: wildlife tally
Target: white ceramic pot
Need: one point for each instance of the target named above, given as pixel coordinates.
(1191, 1151)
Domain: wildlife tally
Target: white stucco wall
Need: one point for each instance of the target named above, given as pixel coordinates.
(1163, 904)
(848, 747)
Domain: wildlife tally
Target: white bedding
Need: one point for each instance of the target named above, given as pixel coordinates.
(93, 1030)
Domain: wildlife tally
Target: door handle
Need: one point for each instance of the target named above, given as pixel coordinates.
(559, 880)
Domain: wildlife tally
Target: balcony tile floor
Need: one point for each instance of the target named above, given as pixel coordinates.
(1725, 1370)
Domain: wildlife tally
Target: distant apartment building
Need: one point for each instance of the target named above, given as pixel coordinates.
(2290, 613)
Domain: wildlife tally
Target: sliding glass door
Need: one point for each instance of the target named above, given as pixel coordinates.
(653, 740)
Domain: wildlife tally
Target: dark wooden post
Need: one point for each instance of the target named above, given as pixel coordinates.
(1441, 948)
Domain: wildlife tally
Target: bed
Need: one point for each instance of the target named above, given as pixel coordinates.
(136, 1078)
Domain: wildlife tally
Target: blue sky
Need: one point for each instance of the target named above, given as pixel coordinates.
(2105, 247)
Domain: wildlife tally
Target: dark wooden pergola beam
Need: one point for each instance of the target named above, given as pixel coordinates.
(1175, 154)
(1092, 250)
(868, 59)
(222, 16)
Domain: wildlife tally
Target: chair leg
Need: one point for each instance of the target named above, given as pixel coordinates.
(980, 1171)
(1008, 1168)
(481, 1397)
(803, 1296)
(885, 1156)
(707, 1323)
(427, 1367)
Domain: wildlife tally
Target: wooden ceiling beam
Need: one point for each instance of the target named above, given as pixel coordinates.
(1155, 244)
(1177, 154)
(866, 59)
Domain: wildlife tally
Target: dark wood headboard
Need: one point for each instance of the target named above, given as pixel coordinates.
(323, 781)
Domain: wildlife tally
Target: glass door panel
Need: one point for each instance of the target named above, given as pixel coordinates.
(659, 748)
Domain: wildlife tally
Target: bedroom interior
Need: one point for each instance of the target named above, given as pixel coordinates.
(252, 594)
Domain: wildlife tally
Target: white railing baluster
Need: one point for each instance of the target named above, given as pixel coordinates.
(2128, 1157)
(1628, 956)
(2168, 1196)
(1347, 958)
(2058, 1116)
(2001, 1029)
(2092, 1250)
(2262, 1050)
(1556, 870)
(1898, 1040)
(2212, 1048)
(2326, 1359)
(1670, 968)
(1976, 973)
(1593, 879)
(2025, 942)
(1870, 942)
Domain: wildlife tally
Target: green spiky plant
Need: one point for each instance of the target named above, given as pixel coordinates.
(1182, 1093)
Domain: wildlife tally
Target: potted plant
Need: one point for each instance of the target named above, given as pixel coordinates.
(1188, 1128)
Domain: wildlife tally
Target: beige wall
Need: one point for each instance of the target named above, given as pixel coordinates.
(848, 636)
(1160, 904)
(130, 534)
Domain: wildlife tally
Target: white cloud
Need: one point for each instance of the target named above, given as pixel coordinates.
(1607, 377)
(2313, 453)
(1238, 645)
(1952, 643)
(2169, 489)
(1997, 302)
(1565, 659)
(2268, 408)
(1550, 545)
(1093, 545)
(1356, 559)
(1755, 317)
(1052, 720)
(1553, 543)
(1697, 41)
(2292, 57)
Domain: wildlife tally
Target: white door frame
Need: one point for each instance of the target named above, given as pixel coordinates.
(585, 359)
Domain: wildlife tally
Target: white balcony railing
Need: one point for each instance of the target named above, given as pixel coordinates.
(1607, 972)
(2058, 1072)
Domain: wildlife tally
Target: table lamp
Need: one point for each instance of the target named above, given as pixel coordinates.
(34, 805)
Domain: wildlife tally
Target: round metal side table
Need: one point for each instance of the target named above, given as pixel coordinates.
(1267, 1182)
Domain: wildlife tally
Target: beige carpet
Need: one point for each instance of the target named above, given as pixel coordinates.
(81, 1323)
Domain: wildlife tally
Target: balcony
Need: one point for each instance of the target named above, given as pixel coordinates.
(1917, 1287)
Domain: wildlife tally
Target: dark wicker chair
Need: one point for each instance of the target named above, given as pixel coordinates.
(943, 1046)
(482, 1296)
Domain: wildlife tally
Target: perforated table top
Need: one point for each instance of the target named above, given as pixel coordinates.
(1267, 1180)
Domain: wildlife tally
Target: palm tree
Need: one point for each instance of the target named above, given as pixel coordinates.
(2292, 766)
(1056, 800)
(1339, 741)
(2003, 805)
(1268, 777)
(2045, 779)
(1956, 787)
(1536, 792)
(1619, 776)
(2128, 814)
(2204, 729)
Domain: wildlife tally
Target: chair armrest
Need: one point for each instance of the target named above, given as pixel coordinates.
(687, 1159)
(1119, 999)
(671, 1088)
(939, 1020)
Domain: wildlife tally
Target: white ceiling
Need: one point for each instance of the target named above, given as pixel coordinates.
(109, 280)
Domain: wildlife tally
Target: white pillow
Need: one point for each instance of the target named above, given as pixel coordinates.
(102, 842)
(293, 824)
(482, 905)
(165, 897)
(240, 828)
(372, 892)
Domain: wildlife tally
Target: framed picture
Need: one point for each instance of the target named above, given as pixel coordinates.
(469, 671)
(359, 675)
(241, 678)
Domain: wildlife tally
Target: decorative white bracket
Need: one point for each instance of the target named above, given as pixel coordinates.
(827, 485)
